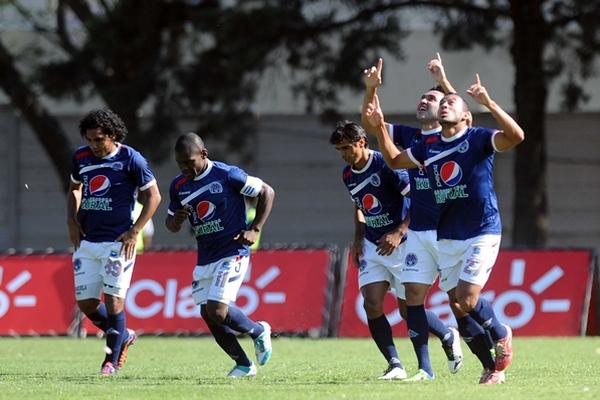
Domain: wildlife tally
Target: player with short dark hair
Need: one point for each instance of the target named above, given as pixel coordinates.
(460, 170)
(210, 195)
(105, 178)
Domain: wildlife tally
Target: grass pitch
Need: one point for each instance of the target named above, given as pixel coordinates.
(188, 368)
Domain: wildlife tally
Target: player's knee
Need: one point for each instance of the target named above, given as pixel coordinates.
(466, 303)
(216, 314)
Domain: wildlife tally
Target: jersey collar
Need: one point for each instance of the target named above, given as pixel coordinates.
(209, 165)
(460, 134)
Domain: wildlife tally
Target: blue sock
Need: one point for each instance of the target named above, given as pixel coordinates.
(229, 343)
(476, 338)
(418, 331)
(99, 317)
(115, 334)
(437, 327)
(483, 313)
(381, 332)
(238, 321)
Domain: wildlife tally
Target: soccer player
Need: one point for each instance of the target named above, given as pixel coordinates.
(210, 195)
(100, 201)
(460, 170)
(420, 267)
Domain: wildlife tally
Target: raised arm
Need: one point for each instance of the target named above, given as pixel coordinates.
(436, 68)
(372, 79)
(373, 117)
(510, 134)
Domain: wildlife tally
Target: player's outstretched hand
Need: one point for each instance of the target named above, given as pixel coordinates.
(478, 92)
(75, 232)
(372, 76)
(373, 113)
(436, 68)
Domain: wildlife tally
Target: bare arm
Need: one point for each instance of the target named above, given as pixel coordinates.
(264, 206)
(372, 79)
(73, 204)
(394, 158)
(359, 236)
(510, 134)
(129, 238)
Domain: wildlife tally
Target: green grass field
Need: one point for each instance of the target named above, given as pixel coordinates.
(185, 368)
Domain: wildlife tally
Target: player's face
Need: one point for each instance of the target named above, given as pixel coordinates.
(452, 110)
(191, 163)
(352, 153)
(427, 108)
(100, 143)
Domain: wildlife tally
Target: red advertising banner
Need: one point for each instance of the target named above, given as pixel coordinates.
(537, 293)
(36, 294)
(286, 288)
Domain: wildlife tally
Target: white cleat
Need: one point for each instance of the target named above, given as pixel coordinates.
(393, 373)
(241, 371)
(262, 345)
(454, 352)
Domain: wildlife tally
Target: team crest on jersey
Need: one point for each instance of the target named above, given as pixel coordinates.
(117, 166)
(375, 180)
(205, 210)
(463, 147)
(99, 185)
(215, 187)
(451, 173)
(411, 259)
(371, 204)
(76, 264)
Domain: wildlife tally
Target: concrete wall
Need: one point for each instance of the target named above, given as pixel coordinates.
(312, 206)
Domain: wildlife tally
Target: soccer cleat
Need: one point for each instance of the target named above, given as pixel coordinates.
(262, 345)
(393, 373)
(125, 346)
(492, 377)
(420, 376)
(454, 352)
(108, 369)
(504, 350)
(242, 371)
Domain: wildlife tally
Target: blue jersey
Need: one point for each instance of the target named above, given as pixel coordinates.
(424, 212)
(461, 172)
(218, 211)
(378, 192)
(109, 190)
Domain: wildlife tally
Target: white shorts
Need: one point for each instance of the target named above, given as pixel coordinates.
(468, 260)
(377, 268)
(98, 267)
(420, 258)
(219, 281)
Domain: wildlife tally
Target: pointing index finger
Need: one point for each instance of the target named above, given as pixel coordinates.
(437, 55)
(379, 65)
(477, 80)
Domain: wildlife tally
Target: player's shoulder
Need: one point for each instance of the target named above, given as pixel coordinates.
(126, 151)
(83, 152)
(346, 173)
(179, 181)
(478, 130)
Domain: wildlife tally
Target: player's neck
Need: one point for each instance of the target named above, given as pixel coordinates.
(449, 130)
(429, 125)
(364, 159)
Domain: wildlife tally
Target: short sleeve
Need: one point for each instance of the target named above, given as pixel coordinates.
(174, 202)
(144, 177)
(249, 186)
